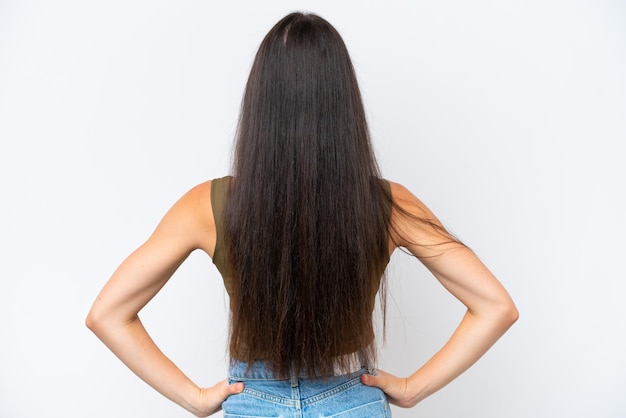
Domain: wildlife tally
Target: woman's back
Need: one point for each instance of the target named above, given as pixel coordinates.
(306, 220)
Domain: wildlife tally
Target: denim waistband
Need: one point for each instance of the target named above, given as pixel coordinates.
(259, 370)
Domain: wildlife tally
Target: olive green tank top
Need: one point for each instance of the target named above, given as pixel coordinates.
(219, 192)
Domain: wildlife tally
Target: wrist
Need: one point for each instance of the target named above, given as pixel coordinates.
(417, 388)
(192, 400)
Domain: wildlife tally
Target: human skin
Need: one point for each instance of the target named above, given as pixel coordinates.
(490, 309)
(189, 226)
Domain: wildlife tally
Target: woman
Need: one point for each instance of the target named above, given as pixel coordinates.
(302, 233)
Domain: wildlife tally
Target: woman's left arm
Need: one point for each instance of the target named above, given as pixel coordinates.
(490, 309)
(187, 226)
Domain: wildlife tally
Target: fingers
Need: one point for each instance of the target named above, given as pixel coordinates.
(382, 380)
(369, 380)
(235, 388)
(395, 388)
(210, 399)
(225, 390)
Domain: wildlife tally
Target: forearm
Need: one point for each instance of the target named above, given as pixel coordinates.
(472, 338)
(133, 346)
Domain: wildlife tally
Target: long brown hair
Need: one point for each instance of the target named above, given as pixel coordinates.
(307, 217)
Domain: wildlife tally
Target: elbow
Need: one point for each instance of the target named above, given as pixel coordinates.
(91, 321)
(501, 315)
(509, 314)
(95, 320)
(102, 321)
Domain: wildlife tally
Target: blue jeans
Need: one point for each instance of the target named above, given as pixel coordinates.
(300, 397)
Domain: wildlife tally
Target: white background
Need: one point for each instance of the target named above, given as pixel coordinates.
(506, 118)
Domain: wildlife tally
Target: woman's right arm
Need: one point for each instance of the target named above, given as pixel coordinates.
(490, 309)
(114, 316)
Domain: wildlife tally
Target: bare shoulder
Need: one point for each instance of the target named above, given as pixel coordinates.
(407, 201)
(196, 203)
(191, 219)
(414, 226)
(398, 191)
(199, 198)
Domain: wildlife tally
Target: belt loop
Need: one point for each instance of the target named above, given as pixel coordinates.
(365, 364)
(294, 374)
(363, 361)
